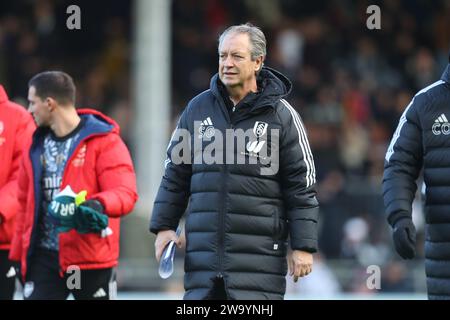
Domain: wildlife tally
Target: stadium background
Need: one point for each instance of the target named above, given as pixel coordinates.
(351, 85)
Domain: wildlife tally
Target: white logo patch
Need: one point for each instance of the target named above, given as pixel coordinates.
(260, 128)
(99, 293)
(441, 126)
(2, 128)
(11, 273)
(255, 146)
(106, 232)
(206, 129)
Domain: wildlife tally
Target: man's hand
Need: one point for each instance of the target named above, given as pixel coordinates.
(162, 239)
(405, 238)
(300, 264)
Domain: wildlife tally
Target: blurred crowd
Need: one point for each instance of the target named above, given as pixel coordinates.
(351, 85)
(34, 37)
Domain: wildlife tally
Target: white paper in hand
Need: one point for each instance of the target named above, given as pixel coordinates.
(166, 264)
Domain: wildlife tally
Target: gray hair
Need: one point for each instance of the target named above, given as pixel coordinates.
(256, 36)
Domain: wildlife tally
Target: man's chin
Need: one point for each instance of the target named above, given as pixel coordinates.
(40, 124)
(230, 83)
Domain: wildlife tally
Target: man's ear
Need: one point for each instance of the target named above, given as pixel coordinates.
(51, 103)
(259, 63)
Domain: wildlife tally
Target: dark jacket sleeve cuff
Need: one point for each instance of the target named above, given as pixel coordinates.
(394, 217)
(307, 245)
(303, 235)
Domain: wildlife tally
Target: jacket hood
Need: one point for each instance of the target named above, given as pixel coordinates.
(446, 74)
(97, 120)
(273, 86)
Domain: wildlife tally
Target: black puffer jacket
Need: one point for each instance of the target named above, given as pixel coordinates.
(422, 139)
(238, 220)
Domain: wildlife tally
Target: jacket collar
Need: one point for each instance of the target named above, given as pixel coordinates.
(94, 123)
(446, 74)
(272, 86)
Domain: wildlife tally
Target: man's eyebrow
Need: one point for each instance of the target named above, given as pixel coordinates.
(232, 52)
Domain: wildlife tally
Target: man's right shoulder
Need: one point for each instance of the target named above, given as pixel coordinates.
(199, 100)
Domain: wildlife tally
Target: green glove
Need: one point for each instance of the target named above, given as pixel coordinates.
(71, 211)
(90, 217)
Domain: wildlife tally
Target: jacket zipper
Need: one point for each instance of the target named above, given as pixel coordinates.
(222, 223)
(222, 213)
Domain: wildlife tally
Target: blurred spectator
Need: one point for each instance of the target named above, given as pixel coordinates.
(395, 278)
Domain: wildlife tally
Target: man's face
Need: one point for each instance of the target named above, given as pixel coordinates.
(236, 67)
(39, 109)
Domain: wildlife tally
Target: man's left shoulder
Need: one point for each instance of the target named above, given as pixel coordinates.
(285, 111)
(106, 140)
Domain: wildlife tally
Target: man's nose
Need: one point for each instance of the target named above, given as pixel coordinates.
(228, 62)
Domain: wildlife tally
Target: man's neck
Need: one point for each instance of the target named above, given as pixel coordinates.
(66, 120)
(239, 93)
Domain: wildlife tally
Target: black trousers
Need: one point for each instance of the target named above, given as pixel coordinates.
(44, 282)
(7, 276)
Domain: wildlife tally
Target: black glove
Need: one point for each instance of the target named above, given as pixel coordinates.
(405, 238)
(93, 204)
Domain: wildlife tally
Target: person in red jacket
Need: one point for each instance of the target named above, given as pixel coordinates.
(16, 128)
(80, 149)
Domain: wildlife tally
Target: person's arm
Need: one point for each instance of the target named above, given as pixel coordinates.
(174, 190)
(116, 178)
(15, 252)
(298, 180)
(403, 163)
(8, 193)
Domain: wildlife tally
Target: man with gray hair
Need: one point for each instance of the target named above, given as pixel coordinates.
(240, 214)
